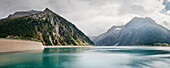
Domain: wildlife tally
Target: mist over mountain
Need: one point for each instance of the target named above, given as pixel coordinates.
(139, 31)
(45, 26)
(23, 13)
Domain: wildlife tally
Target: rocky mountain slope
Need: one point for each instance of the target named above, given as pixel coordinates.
(45, 26)
(139, 31)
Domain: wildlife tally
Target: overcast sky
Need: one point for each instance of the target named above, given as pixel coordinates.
(94, 17)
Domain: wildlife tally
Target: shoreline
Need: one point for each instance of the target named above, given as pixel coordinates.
(18, 45)
(102, 46)
(65, 46)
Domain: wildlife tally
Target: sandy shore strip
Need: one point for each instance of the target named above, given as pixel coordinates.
(13, 45)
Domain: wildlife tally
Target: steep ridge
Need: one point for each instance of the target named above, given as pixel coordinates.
(46, 26)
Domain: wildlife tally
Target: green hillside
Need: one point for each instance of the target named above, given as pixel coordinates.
(46, 26)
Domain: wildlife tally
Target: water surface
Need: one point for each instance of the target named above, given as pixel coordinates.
(89, 57)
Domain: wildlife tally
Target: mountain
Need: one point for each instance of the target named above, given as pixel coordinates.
(108, 37)
(92, 37)
(23, 13)
(45, 26)
(139, 31)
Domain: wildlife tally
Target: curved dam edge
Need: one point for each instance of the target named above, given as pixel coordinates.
(13, 45)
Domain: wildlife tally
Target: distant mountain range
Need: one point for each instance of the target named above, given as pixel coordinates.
(45, 26)
(23, 13)
(139, 31)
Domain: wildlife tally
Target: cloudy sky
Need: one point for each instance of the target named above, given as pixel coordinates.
(94, 17)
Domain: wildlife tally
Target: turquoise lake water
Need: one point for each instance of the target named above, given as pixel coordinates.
(89, 57)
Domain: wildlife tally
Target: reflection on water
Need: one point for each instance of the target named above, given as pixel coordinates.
(89, 57)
